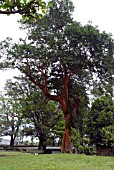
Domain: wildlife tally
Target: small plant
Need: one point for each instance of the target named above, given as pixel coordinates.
(26, 142)
(76, 138)
(89, 150)
(17, 149)
(24, 150)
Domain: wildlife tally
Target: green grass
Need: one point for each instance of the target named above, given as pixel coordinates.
(23, 161)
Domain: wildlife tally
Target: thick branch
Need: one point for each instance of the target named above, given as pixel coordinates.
(45, 81)
(77, 105)
(10, 12)
(45, 90)
(64, 95)
(24, 10)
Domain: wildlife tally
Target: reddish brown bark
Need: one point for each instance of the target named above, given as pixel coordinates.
(67, 135)
(63, 99)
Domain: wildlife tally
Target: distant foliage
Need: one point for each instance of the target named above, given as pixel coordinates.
(107, 134)
(100, 119)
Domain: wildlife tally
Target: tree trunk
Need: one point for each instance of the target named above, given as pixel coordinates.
(42, 142)
(42, 145)
(12, 141)
(67, 136)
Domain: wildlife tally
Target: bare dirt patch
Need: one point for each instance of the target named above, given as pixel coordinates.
(2, 155)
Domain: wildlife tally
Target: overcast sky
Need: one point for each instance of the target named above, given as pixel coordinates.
(100, 12)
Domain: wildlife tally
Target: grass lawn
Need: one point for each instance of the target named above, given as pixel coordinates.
(23, 161)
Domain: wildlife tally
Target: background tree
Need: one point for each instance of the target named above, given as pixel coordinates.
(40, 114)
(29, 9)
(100, 89)
(61, 49)
(100, 115)
(11, 117)
(43, 118)
(107, 134)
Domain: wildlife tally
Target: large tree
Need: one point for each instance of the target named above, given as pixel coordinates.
(61, 50)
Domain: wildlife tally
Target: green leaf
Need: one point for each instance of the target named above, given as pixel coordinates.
(18, 2)
(44, 4)
(40, 16)
(24, 1)
(4, 6)
(23, 17)
(50, 4)
(44, 12)
(9, 4)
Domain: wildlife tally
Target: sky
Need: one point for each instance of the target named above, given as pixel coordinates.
(100, 12)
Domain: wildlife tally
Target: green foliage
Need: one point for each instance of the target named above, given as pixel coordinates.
(11, 116)
(26, 142)
(100, 89)
(107, 134)
(89, 150)
(58, 129)
(82, 143)
(100, 115)
(29, 9)
(76, 138)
